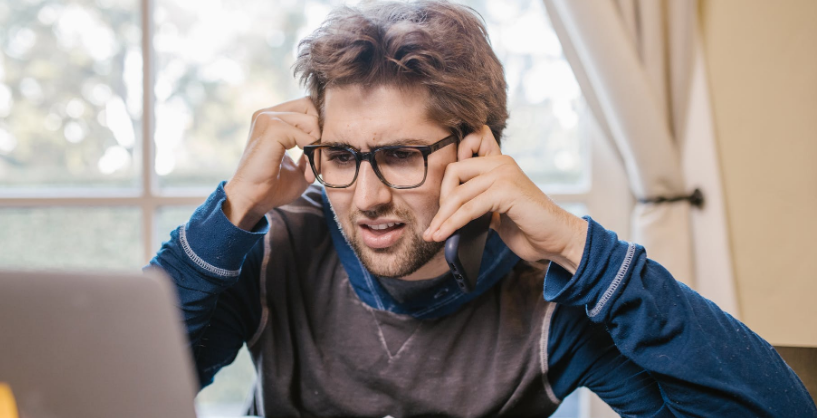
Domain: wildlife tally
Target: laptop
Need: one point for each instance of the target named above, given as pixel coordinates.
(89, 345)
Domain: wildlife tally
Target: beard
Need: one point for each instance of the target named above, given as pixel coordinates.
(406, 256)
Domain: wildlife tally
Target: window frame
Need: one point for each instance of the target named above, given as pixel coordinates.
(148, 197)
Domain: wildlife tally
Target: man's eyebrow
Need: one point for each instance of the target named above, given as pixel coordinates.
(404, 141)
(396, 142)
(339, 144)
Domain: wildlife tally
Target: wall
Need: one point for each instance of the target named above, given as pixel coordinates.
(762, 65)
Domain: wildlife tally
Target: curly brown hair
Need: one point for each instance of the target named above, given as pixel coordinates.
(438, 45)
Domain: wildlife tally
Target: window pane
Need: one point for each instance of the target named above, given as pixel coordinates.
(576, 208)
(98, 238)
(569, 408)
(230, 390)
(217, 63)
(544, 99)
(70, 93)
(167, 219)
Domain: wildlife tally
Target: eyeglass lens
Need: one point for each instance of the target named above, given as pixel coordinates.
(400, 167)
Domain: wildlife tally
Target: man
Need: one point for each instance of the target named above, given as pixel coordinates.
(342, 292)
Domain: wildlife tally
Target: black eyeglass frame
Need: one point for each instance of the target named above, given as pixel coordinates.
(425, 150)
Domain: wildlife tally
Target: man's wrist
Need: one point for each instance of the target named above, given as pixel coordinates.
(237, 213)
(571, 256)
(213, 244)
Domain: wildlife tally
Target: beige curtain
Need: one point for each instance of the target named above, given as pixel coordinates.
(633, 60)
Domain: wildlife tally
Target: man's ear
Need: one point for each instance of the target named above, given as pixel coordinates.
(303, 165)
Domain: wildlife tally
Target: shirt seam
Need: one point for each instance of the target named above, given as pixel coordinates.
(199, 261)
(371, 286)
(622, 271)
(262, 287)
(543, 353)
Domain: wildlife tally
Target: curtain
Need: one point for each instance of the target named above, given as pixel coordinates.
(635, 61)
(603, 45)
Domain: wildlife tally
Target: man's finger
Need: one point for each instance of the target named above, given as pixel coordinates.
(302, 121)
(301, 138)
(288, 136)
(496, 221)
(302, 105)
(470, 210)
(480, 143)
(452, 201)
(462, 171)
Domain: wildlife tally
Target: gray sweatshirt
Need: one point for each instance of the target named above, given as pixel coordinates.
(321, 351)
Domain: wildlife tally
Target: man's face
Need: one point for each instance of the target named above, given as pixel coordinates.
(381, 116)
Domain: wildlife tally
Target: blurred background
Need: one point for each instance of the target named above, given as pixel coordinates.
(119, 117)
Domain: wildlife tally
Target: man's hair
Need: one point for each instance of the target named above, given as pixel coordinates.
(437, 45)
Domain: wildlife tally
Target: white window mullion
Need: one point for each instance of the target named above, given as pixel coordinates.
(148, 119)
(148, 122)
(148, 229)
(99, 201)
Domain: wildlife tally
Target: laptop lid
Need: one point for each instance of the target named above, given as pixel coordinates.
(87, 345)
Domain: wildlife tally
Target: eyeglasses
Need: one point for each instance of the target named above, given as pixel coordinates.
(397, 166)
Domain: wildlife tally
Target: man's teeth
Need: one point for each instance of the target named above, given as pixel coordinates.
(384, 226)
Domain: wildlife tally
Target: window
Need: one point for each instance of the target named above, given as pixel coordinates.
(119, 117)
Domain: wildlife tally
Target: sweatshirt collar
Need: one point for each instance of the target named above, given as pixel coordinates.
(497, 261)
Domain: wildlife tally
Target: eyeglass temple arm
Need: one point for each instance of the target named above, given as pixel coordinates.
(444, 142)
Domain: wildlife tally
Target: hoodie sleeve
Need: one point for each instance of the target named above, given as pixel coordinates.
(214, 266)
(644, 332)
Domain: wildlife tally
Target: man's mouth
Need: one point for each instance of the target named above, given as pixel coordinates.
(381, 233)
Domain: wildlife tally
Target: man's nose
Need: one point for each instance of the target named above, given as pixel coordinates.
(370, 192)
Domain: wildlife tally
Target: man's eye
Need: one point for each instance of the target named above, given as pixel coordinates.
(399, 154)
(339, 156)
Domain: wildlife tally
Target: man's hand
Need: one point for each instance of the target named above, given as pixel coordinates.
(266, 177)
(529, 223)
